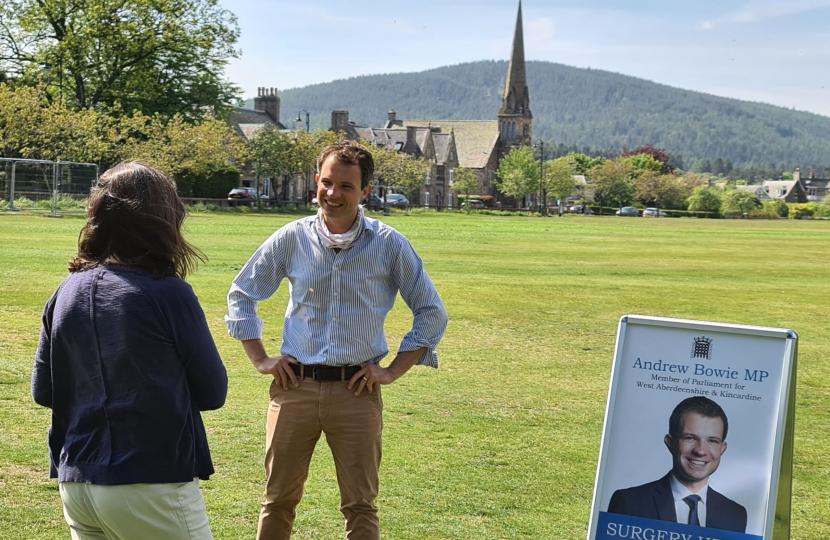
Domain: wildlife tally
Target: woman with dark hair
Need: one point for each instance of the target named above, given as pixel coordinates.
(126, 362)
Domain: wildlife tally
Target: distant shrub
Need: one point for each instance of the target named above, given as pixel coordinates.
(212, 208)
(24, 202)
(199, 207)
(244, 209)
(43, 204)
(823, 211)
(777, 208)
(801, 210)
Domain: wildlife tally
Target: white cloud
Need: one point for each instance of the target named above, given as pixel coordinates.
(759, 11)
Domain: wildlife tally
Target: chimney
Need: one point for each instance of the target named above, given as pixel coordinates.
(268, 102)
(391, 117)
(339, 121)
(435, 129)
(411, 146)
(797, 174)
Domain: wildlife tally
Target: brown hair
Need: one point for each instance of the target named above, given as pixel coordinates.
(135, 217)
(350, 153)
(697, 404)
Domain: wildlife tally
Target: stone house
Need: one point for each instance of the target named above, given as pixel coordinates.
(816, 188)
(246, 122)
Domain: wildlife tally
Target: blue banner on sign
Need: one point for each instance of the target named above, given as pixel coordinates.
(619, 527)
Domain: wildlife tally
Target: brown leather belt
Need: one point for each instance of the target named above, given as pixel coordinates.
(325, 373)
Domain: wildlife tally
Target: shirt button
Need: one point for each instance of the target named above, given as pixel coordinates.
(335, 294)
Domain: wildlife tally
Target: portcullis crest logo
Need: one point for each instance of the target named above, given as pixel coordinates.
(702, 347)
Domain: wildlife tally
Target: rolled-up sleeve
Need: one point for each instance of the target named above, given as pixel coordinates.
(430, 316)
(258, 280)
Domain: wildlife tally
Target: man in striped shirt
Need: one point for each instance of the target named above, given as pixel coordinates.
(344, 272)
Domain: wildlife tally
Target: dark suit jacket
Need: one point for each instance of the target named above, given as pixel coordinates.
(655, 501)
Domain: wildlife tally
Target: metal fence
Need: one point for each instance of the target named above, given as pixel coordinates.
(40, 180)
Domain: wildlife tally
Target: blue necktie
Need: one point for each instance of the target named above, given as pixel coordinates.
(692, 501)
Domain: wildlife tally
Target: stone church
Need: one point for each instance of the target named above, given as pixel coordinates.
(475, 144)
(481, 144)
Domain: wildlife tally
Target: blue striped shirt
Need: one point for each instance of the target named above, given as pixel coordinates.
(338, 300)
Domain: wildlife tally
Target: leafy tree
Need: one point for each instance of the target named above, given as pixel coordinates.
(412, 174)
(738, 201)
(801, 210)
(702, 166)
(580, 163)
(518, 174)
(185, 151)
(660, 190)
(645, 163)
(156, 56)
(558, 179)
(787, 175)
(777, 208)
(270, 152)
(704, 199)
(659, 154)
(466, 182)
(612, 183)
(826, 200)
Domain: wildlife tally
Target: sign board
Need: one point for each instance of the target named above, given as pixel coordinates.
(698, 435)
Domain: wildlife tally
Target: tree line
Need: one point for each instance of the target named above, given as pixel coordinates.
(641, 176)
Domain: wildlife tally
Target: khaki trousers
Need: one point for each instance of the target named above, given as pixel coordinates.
(135, 511)
(353, 426)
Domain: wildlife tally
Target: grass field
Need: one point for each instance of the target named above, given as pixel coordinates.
(501, 442)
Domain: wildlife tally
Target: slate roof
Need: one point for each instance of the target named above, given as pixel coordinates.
(248, 121)
(441, 142)
(475, 140)
(759, 191)
(773, 186)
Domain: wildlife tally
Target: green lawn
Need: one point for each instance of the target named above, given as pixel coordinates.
(502, 441)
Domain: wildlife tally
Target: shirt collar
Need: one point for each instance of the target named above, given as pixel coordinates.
(680, 492)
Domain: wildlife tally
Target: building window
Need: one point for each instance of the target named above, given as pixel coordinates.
(449, 200)
(452, 177)
(428, 178)
(398, 146)
(426, 199)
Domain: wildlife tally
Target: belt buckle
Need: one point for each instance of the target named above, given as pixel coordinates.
(314, 373)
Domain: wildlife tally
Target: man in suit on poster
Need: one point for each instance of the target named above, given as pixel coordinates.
(696, 440)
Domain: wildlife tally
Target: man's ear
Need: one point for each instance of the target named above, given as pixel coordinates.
(667, 441)
(316, 178)
(724, 448)
(367, 190)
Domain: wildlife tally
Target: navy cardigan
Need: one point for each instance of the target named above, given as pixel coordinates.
(126, 363)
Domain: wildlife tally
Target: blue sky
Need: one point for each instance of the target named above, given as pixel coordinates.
(775, 51)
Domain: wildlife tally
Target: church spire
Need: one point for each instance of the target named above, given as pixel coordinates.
(516, 96)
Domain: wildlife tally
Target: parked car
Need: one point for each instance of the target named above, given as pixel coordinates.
(580, 209)
(628, 211)
(397, 200)
(247, 196)
(372, 202)
(654, 212)
(475, 204)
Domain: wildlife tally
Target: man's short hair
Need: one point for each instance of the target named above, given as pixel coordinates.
(350, 153)
(698, 404)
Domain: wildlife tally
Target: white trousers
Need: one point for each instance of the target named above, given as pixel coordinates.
(135, 511)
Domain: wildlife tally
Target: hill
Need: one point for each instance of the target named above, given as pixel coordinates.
(582, 107)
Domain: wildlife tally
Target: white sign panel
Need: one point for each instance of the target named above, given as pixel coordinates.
(694, 439)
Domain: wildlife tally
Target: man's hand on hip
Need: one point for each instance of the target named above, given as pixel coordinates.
(372, 374)
(278, 366)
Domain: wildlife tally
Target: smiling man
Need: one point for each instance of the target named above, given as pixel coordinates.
(345, 271)
(696, 440)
